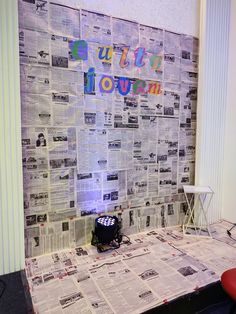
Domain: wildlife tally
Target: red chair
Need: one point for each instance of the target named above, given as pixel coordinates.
(228, 281)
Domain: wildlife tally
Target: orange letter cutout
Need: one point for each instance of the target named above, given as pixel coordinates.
(123, 62)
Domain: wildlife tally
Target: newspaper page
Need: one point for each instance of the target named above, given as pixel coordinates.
(60, 53)
(145, 141)
(36, 197)
(171, 68)
(189, 77)
(64, 21)
(62, 194)
(153, 177)
(114, 186)
(35, 80)
(194, 271)
(93, 293)
(89, 227)
(186, 174)
(71, 82)
(172, 214)
(57, 235)
(137, 182)
(33, 14)
(218, 259)
(65, 297)
(62, 147)
(172, 56)
(125, 109)
(49, 263)
(33, 243)
(188, 105)
(219, 232)
(125, 32)
(36, 109)
(34, 149)
(89, 187)
(35, 200)
(147, 217)
(167, 155)
(174, 179)
(165, 177)
(79, 232)
(62, 215)
(96, 27)
(187, 144)
(34, 47)
(36, 179)
(67, 109)
(129, 221)
(67, 100)
(92, 150)
(120, 149)
(98, 112)
(162, 216)
(115, 208)
(91, 208)
(34, 160)
(115, 279)
(172, 42)
(152, 39)
(168, 135)
(189, 52)
(159, 276)
(171, 99)
(151, 105)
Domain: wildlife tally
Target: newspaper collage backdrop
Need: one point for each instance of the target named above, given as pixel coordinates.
(108, 123)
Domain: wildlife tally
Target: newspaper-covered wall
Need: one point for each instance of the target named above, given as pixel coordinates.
(108, 123)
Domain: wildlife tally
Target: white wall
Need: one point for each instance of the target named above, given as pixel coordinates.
(212, 99)
(229, 173)
(11, 189)
(180, 16)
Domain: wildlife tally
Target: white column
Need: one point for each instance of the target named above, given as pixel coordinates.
(11, 189)
(212, 96)
(229, 174)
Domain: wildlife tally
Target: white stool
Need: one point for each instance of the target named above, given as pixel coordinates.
(198, 199)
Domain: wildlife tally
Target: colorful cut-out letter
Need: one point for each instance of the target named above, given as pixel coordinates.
(123, 62)
(106, 84)
(124, 85)
(79, 49)
(154, 88)
(89, 81)
(156, 62)
(105, 53)
(139, 53)
(138, 87)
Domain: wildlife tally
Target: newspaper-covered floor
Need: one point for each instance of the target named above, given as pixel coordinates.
(156, 267)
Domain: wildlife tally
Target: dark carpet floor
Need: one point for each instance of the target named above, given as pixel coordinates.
(212, 299)
(14, 299)
(219, 308)
(208, 300)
